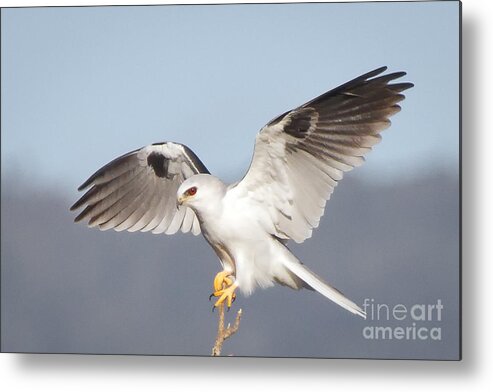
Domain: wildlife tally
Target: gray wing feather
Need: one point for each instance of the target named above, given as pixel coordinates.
(137, 191)
(302, 154)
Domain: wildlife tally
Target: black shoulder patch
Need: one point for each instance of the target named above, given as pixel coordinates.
(159, 164)
(300, 123)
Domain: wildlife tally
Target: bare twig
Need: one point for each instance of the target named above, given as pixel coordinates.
(224, 333)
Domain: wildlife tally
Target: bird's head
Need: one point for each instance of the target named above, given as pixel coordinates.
(199, 191)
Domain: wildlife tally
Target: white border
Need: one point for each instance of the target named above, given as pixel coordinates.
(94, 373)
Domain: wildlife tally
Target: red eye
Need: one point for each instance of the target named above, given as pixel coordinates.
(191, 191)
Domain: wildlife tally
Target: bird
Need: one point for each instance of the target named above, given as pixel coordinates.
(299, 158)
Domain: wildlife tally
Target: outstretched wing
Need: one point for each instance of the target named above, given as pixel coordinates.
(137, 191)
(301, 155)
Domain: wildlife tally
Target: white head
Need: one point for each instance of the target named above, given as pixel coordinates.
(200, 192)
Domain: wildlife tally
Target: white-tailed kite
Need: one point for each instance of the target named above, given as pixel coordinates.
(298, 160)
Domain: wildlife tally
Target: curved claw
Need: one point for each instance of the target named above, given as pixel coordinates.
(228, 294)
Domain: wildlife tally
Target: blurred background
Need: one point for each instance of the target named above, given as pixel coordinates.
(81, 86)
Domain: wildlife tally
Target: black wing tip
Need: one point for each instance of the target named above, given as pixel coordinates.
(399, 74)
(376, 76)
(400, 87)
(79, 203)
(388, 77)
(76, 206)
(85, 184)
(371, 77)
(373, 73)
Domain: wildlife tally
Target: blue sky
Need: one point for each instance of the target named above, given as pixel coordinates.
(81, 86)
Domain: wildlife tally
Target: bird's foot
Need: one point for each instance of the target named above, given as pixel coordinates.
(222, 280)
(227, 294)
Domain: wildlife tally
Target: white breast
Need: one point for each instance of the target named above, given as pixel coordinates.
(239, 228)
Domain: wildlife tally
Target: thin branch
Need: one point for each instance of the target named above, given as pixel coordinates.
(224, 333)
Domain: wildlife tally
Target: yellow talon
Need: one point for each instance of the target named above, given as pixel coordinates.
(222, 278)
(226, 294)
(224, 288)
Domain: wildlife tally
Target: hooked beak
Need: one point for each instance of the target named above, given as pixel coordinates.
(181, 199)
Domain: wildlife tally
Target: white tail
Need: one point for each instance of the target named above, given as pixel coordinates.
(319, 285)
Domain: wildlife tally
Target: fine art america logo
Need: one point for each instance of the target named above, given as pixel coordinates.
(401, 322)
